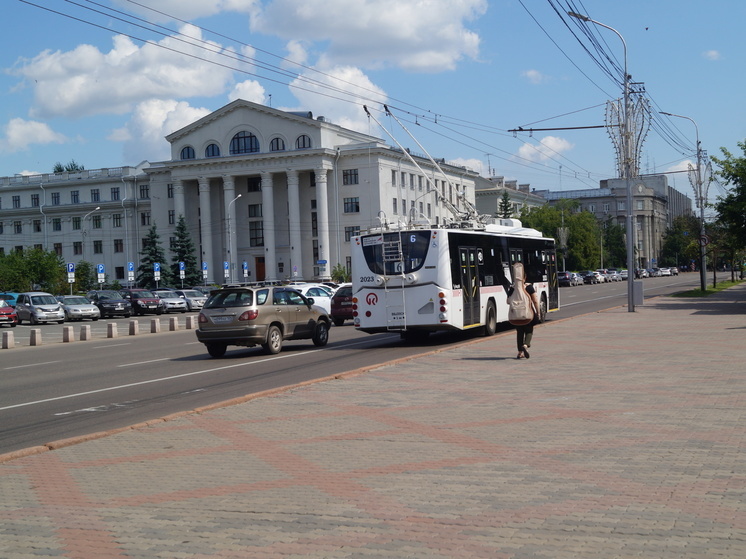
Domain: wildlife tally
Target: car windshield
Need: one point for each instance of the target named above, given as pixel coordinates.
(243, 298)
(75, 301)
(110, 295)
(192, 294)
(142, 295)
(43, 300)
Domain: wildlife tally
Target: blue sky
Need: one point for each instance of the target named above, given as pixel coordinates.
(459, 73)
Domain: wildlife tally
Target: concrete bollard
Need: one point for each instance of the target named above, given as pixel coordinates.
(35, 338)
(173, 324)
(111, 330)
(189, 323)
(85, 332)
(68, 335)
(155, 325)
(9, 340)
(134, 327)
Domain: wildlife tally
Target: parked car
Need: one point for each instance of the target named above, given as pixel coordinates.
(624, 274)
(665, 271)
(77, 307)
(143, 301)
(110, 303)
(195, 300)
(604, 275)
(171, 301)
(641, 273)
(8, 314)
(568, 279)
(321, 294)
(9, 298)
(654, 272)
(39, 306)
(266, 316)
(674, 271)
(590, 277)
(342, 305)
(614, 276)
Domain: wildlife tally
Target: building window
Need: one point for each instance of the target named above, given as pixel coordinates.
(172, 243)
(607, 207)
(314, 224)
(393, 178)
(77, 248)
(98, 247)
(244, 142)
(621, 206)
(396, 211)
(640, 204)
(118, 245)
(303, 142)
(56, 224)
(213, 150)
(350, 176)
(37, 246)
(171, 217)
(76, 223)
(96, 220)
(187, 153)
(144, 191)
(277, 144)
(419, 183)
(74, 197)
(34, 200)
(95, 195)
(254, 184)
(592, 208)
(16, 201)
(255, 210)
(351, 232)
(37, 226)
(114, 193)
(58, 249)
(144, 218)
(119, 272)
(312, 179)
(429, 211)
(256, 233)
(170, 190)
(55, 198)
(116, 220)
(351, 205)
(411, 181)
(404, 180)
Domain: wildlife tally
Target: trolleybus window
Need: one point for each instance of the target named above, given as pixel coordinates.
(396, 253)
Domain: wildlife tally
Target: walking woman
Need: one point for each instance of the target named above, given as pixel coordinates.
(524, 328)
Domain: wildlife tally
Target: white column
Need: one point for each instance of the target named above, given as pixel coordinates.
(268, 215)
(179, 205)
(294, 219)
(205, 228)
(322, 208)
(229, 195)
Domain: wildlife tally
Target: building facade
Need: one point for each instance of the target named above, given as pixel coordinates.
(490, 191)
(266, 195)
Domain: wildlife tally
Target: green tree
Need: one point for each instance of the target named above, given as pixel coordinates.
(184, 251)
(731, 208)
(153, 253)
(31, 269)
(340, 274)
(86, 277)
(681, 242)
(615, 250)
(505, 207)
(71, 167)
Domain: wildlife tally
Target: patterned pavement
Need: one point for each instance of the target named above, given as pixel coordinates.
(623, 436)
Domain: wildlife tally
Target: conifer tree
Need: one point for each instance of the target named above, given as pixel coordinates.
(153, 253)
(505, 207)
(184, 251)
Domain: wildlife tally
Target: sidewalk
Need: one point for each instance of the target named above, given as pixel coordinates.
(623, 436)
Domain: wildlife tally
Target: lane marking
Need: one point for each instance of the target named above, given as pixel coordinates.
(30, 365)
(144, 362)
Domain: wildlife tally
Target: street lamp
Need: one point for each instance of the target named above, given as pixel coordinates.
(84, 232)
(230, 237)
(626, 165)
(699, 192)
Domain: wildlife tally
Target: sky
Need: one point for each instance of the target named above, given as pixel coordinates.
(102, 83)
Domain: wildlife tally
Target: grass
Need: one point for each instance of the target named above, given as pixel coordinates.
(721, 285)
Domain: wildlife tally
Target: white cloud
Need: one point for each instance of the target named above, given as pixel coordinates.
(188, 9)
(548, 148)
(249, 90)
(681, 166)
(85, 81)
(426, 36)
(356, 87)
(144, 135)
(711, 55)
(20, 134)
(535, 77)
(471, 164)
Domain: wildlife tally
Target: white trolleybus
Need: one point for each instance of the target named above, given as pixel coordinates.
(418, 280)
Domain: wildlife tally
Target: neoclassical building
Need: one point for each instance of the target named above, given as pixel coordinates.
(266, 194)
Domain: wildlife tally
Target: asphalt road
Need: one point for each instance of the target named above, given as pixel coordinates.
(59, 390)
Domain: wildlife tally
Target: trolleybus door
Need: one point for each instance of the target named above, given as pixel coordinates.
(551, 262)
(470, 259)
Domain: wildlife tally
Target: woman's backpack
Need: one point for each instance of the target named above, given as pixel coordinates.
(520, 309)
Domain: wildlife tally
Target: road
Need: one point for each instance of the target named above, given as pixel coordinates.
(60, 390)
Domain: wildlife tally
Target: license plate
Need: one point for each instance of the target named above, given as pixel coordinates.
(222, 319)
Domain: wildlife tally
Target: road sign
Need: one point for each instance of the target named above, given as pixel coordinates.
(226, 269)
(204, 266)
(321, 262)
(704, 240)
(130, 266)
(157, 267)
(100, 269)
(182, 266)
(70, 267)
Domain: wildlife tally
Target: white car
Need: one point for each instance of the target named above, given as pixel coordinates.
(320, 293)
(77, 307)
(665, 271)
(195, 300)
(171, 301)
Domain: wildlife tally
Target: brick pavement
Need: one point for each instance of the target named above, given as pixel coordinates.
(621, 437)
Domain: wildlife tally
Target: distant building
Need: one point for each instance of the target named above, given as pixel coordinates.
(489, 195)
(655, 206)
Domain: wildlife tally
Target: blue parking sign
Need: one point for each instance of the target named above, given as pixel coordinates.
(204, 266)
(157, 267)
(130, 266)
(100, 268)
(71, 268)
(182, 266)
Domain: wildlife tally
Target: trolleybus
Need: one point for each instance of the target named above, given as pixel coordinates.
(416, 280)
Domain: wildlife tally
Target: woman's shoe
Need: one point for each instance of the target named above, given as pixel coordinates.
(520, 355)
(525, 352)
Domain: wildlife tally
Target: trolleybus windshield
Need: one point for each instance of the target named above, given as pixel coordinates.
(396, 253)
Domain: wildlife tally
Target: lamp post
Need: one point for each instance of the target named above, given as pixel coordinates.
(701, 199)
(230, 238)
(626, 165)
(84, 232)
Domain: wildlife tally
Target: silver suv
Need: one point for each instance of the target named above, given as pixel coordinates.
(38, 306)
(261, 315)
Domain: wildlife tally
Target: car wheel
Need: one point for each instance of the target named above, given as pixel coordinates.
(60, 322)
(33, 320)
(159, 311)
(321, 334)
(542, 310)
(274, 341)
(216, 350)
(20, 320)
(338, 321)
(182, 312)
(13, 325)
(490, 321)
(128, 315)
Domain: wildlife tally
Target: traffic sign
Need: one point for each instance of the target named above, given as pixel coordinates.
(130, 266)
(204, 266)
(100, 269)
(182, 266)
(157, 267)
(704, 240)
(70, 267)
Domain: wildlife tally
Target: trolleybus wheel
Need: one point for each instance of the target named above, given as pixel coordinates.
(490, 320)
